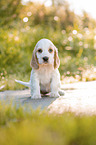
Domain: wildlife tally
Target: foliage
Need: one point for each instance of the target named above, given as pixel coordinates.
(17, 45)
(18, 126)
(9, 11)
(56, 17)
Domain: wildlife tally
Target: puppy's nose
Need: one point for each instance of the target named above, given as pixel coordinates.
(45, 59)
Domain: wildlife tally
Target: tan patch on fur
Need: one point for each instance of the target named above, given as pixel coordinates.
(56, 59)
(34, 60)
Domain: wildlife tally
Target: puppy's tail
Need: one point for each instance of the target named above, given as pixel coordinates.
(27, 84)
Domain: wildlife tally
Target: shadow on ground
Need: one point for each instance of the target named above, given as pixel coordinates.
(22, 97)
(44, 102)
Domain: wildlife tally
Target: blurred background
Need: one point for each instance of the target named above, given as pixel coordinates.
(70, 25)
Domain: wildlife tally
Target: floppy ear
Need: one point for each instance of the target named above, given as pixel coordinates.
(56, 59)
(34, 60)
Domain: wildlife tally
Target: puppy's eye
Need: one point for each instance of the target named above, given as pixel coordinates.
(50, 50)
(40, 50)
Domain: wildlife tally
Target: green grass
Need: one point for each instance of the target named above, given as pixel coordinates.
(20, 127)
(10, 84)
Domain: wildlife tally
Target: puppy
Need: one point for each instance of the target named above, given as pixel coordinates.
(45, 76)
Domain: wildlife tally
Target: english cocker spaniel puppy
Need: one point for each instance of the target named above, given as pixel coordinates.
(45, 76)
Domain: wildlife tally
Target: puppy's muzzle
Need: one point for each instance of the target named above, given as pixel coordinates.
(45, 59)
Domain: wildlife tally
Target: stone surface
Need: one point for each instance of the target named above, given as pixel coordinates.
(79, 98)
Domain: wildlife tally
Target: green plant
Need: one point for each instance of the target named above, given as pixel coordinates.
(20, 126)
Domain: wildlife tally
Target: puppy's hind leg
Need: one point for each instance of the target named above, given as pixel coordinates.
(61, 92)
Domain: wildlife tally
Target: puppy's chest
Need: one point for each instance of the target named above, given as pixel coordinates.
(45, 75)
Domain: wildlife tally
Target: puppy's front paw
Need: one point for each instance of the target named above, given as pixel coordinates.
(36, 96)
(54, 94)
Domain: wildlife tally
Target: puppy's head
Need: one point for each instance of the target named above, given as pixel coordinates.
(45, 53)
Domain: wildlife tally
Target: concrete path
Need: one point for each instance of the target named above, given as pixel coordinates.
(79, 98)
(22, 97)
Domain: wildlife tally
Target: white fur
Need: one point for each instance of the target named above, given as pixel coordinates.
(44, 77)
(44, 44)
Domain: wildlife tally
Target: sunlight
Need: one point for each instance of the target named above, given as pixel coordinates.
(74, 32)
(86, 5)
(78, 6)
(25, 19)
